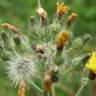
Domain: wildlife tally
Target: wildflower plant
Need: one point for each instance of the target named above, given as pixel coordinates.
(46, 53)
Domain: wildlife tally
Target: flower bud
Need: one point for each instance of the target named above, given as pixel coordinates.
(61, 40)
(32, 20)
(40, 49)
(17, 40)
(71, 19)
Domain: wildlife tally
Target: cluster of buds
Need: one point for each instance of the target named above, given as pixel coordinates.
(48, 56)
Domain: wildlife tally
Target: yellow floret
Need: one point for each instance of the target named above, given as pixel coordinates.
(62, 38)
(92, 63)
(62, 9)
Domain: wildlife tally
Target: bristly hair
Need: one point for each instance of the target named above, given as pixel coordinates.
(21, 68)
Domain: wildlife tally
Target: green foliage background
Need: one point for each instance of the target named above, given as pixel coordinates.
(17, 12)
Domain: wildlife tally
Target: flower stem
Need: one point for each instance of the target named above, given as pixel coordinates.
(39, 4)
(68, 70)
(79, 91)
(40, 90)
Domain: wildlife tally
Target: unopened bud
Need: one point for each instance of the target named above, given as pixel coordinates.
(17, 40)
(40, 49)
(32, 20)
(71, 19)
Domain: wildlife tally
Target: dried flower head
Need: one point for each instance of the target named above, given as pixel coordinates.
(47, 81)
(61, 40)
(91, 65)
(42, 13)
(10, 27)
(21, 68)
(40, 49)
(62, 9)
(72, 17)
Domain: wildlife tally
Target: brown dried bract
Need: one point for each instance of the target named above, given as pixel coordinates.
(72, 17)
(22, 88)
(10, 27)
(42, 13)
(47, 81)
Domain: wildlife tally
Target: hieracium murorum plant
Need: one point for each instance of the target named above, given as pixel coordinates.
(37, 61)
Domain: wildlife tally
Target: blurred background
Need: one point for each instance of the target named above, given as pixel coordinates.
(18, 12)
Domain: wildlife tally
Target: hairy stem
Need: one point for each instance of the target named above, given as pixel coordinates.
(80, 90)
(35, 86)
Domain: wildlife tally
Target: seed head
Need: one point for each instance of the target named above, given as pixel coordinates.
(21, 68)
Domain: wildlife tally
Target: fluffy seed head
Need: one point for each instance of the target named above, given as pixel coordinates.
(21, 68)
